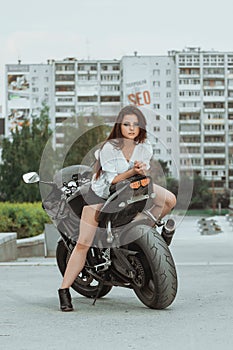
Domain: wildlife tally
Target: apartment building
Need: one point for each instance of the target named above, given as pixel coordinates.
(86, 88)
(27, 87)
(205, 113)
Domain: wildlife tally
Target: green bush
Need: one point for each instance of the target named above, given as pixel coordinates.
(27, 219)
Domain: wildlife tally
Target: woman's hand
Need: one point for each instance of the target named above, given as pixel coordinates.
(139, 167)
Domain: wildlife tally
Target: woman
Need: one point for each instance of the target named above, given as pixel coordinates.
(126, 152)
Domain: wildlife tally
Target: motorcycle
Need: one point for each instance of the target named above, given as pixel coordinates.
(127, 251)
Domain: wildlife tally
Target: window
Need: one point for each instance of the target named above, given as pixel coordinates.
(87, 98)
(109, 77)
(156, 128)
(110, 99)
(156, 72)
(168, 83)
(94, 67)
(168, 71)
(104, 67)
(169, 117)
(156, 106)
(156, 83)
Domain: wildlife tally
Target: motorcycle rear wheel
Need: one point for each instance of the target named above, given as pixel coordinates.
(160, 278)
(84, 285)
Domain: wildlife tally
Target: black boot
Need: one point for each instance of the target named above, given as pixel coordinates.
(168, 231)
(65, 299)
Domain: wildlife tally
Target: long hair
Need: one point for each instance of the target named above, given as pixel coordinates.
(116, 137)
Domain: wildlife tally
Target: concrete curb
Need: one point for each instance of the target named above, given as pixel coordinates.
(33, 246)
(8, 246)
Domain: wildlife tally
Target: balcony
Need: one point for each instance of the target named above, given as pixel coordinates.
(64, 114)
(214, 75)
(110, 82)
(189, 86)
(214, 132)
(64, 83)
(214, 110)
(214, 155)
(191, 76)
(190, 132)
(214, 99)
(189, 109)
(189, 144)
(214, 87)
(109, 110)
(65, 93)
(189, 121)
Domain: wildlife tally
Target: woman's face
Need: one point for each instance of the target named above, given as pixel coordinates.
(130, 127)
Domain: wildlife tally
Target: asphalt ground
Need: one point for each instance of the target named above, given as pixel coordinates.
(200, 318)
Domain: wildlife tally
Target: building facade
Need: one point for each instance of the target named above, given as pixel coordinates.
(205, 113)
(28, 87)
(86, 88)
(149, 82)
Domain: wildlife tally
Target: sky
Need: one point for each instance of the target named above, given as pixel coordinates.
(106, 29)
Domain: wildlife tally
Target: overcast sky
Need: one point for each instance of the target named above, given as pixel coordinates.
(96, 29)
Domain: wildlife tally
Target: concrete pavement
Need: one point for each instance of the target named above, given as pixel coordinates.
(200, 318)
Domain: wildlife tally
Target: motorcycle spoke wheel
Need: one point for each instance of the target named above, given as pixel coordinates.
(84, 284)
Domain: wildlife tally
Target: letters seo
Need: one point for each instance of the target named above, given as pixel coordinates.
(140, 98)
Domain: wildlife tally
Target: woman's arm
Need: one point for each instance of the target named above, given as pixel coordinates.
(138, 168)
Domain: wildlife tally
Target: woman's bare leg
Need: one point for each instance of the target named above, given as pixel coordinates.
(164, 201)
(76, 262)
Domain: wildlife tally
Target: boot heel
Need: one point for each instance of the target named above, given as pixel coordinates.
(65, 299)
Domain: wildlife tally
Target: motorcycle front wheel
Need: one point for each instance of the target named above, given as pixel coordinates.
(84, 284)
(157, 277)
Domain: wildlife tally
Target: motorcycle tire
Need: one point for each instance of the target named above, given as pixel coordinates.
(158, 271)
(83, 288)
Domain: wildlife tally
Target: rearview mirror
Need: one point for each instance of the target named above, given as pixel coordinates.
(31, 178)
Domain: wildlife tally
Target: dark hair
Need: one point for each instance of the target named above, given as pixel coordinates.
(116, 136)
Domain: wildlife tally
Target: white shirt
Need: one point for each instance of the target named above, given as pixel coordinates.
(113, 163)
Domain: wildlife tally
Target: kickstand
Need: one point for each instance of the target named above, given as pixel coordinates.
(98, 292)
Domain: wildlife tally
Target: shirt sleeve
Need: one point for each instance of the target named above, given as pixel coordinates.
(108, 162)
(147, 153)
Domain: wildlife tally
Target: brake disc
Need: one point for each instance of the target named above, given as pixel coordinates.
(139, 278)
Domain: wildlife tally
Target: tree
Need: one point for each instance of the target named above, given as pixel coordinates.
(159, 172)
(201, 197)
(87, 140)
(20, 154)
(223, 198)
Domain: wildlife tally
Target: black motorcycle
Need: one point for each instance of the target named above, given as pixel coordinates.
(127, 250)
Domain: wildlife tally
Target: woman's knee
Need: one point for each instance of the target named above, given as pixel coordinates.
(82, 246)
(170, 199)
